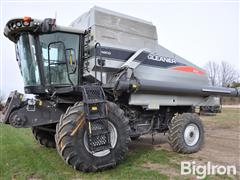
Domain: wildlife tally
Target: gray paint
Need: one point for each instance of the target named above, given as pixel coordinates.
(153, 101)
(120, 31)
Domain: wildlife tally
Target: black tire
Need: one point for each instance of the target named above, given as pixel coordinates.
(45, 138)
(72, 148)
(177, 128)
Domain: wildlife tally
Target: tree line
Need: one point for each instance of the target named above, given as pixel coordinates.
(222, 74)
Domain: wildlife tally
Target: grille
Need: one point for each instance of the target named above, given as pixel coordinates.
(94, 92)
(99, 141)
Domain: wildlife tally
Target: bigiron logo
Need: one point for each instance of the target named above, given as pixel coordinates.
(162, 59)
(202, 171)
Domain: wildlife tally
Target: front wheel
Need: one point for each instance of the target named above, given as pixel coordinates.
(74, 149)
(186, 133)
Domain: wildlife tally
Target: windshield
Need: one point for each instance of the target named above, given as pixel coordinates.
(26, 55)
(60, 57)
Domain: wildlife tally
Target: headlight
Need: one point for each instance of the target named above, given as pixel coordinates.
(27, 20)
(25, 23)
(19, 24)
(13, 26)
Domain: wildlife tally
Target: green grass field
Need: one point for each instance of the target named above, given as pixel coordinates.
(23, 158)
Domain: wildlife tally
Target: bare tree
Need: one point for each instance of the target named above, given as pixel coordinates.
(1, 100)
(221, 74)
(212, 69)
(228, 74)
(235, 84)
(1, 103)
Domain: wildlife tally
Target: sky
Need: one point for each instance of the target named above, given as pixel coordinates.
(197, 31)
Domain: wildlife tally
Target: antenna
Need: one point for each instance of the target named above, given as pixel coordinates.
(55, 15)
(55, 18)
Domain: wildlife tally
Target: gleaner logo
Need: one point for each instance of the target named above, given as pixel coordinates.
(162, 59)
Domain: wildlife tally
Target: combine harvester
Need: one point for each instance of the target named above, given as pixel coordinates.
(100, 83)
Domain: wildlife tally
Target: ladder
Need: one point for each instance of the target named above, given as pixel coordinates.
(96, 118)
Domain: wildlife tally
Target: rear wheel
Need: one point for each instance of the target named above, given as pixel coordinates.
(186, 133)
(44, 137)
(74, 149)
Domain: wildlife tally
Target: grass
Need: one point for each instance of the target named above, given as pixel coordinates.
(21, 157)
(229, 118)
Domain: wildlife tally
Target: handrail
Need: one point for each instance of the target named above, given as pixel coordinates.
(98, 45)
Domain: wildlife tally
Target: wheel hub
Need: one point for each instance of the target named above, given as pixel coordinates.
(113, 141)
(191, 134)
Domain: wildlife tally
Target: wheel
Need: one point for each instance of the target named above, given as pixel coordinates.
(134, 138)
(44, 137)
(186, 133)
(74, 149)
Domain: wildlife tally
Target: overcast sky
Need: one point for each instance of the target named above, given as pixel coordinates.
(198, 32)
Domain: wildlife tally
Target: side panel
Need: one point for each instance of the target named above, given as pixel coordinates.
(162, 65)
(151, 101)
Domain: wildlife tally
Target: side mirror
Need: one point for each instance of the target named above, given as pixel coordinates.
(72, 60)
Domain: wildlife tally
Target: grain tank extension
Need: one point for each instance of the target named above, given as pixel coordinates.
(102, 82)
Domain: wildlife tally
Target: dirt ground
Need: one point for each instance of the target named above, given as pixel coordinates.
(222, 142)
(231, 106)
